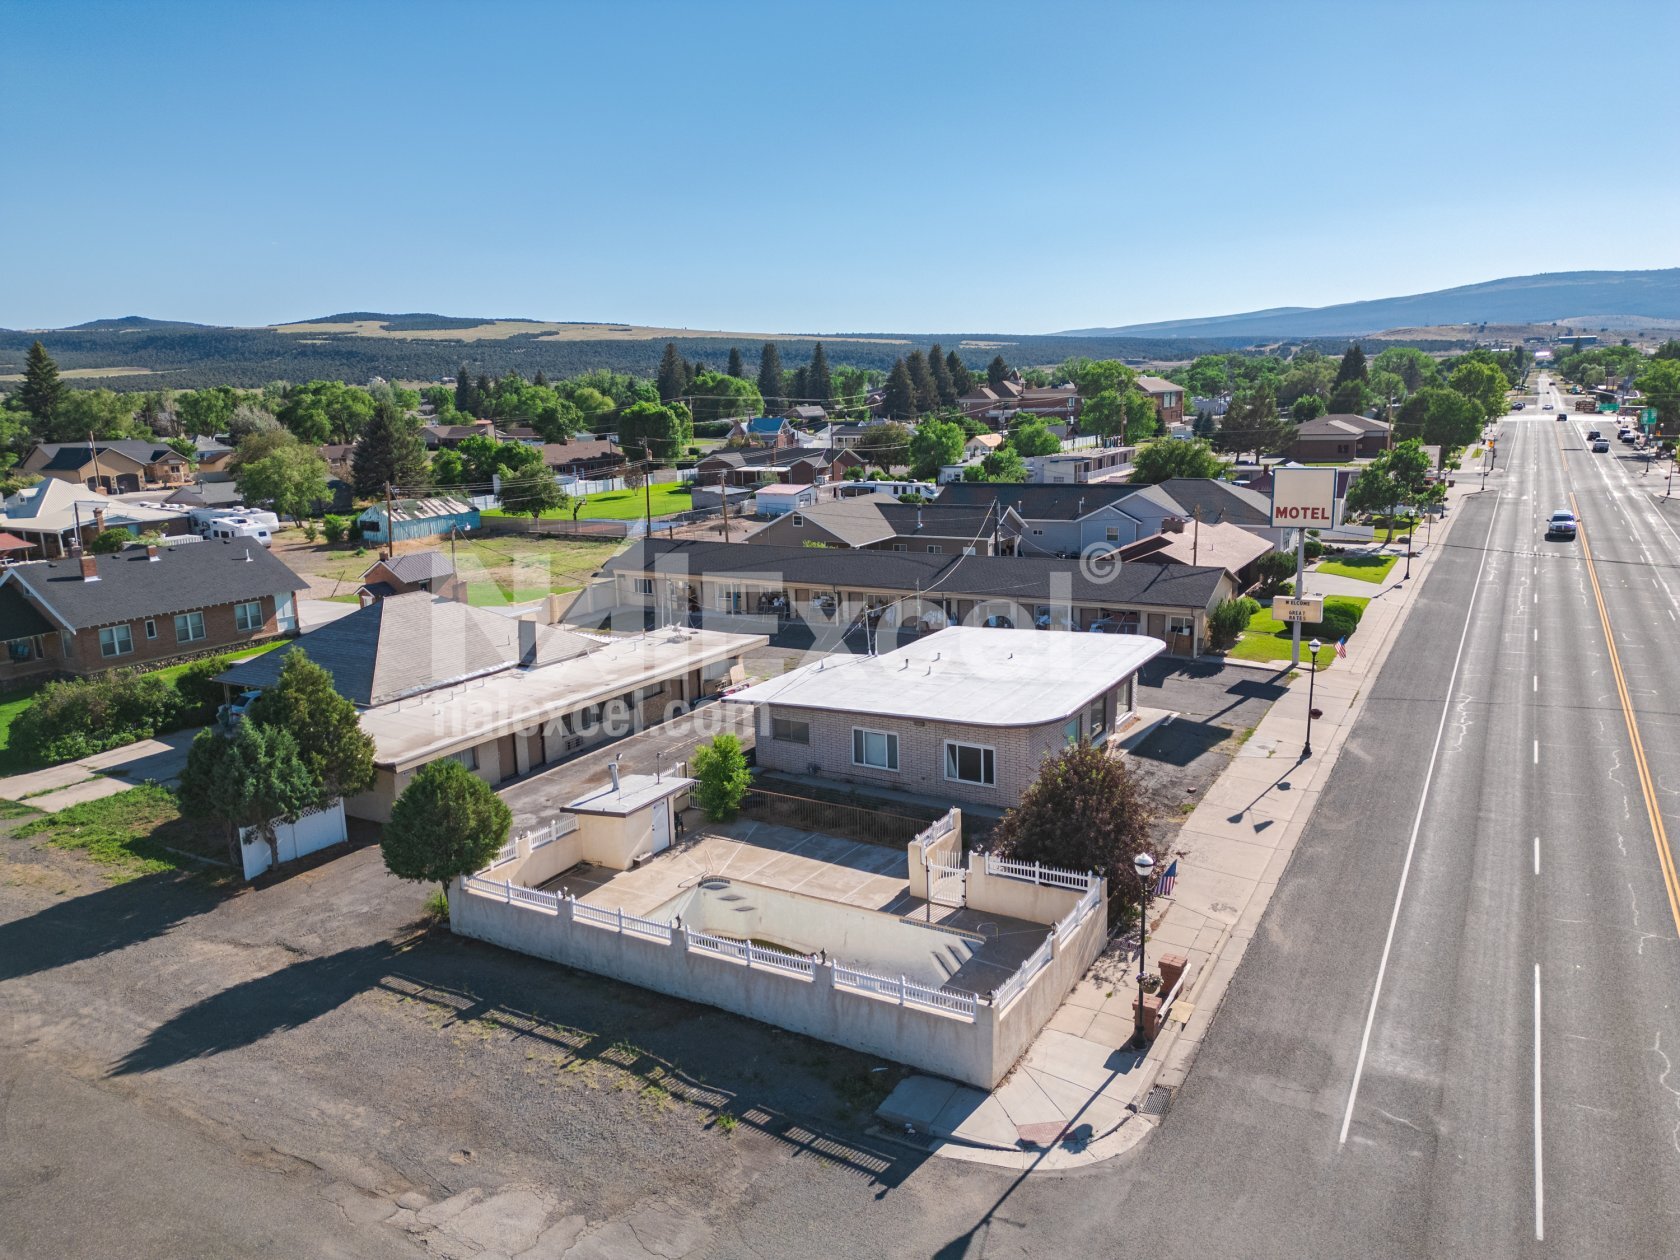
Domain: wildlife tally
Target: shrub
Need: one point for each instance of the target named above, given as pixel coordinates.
(1274, 567)
(721, 768)
(336, 528)
(110, 541)
(1315, 548)
(82, 716)
(310, 531)
(1229, 619)
(199, 691)
(1341, 619)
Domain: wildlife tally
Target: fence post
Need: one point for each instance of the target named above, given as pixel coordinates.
(901, 990)
(620, 913)
(571, 907)
(507, 891)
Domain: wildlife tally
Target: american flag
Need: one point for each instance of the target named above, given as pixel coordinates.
(1169, 877)
(1341, 646)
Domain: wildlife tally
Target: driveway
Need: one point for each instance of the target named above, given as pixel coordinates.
(159, 760)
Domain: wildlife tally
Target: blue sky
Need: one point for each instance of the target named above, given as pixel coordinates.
(820, 167)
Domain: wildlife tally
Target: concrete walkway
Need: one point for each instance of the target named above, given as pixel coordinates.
(1077, 1097)
(103, 774)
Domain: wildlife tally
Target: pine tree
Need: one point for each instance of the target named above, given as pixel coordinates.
(899, 400)
(941, 376)
(820, 385)
(962, 380)
(801, 391)
(466, 397)
(485, 390)
(673, 373)
(1353, 366)
(736, 367)
(996, 371)
(921, 382)
(770, 386)
(41, 387)
(390, 451)
(539, 378)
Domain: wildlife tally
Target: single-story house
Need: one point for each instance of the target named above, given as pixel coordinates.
(788, 465)
(433, 679)
(212, 455)
(772, 431)
(419, 518)
(1338, 438)
(807, 413)
(966, 714)
(877, 523)
(142, 606)
(112, 467)
(831, 588)
(339, 457)
(58, 516)
(1167, 396)
(207, 492)
(778, 499)
(981, 445)
(582, 457)
(447, 436)
(430, 571)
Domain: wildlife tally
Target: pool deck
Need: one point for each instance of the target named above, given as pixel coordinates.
(868, 876)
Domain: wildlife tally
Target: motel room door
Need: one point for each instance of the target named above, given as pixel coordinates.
(661, 825)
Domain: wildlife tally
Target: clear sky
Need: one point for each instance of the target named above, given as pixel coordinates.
(800, 166)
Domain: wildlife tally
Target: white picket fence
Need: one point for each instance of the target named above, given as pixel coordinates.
(1039, 960)
(1073, 918)
(904, 991)
(1038, 873)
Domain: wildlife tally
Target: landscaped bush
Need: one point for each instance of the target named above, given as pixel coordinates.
(1274, 567)
(200, 693)
(1230, 618)
(84, 716)
(335, 528)
(1341, 618)
(1315, 548)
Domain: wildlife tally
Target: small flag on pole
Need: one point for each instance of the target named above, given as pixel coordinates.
(1169, 877)
(1341, 646)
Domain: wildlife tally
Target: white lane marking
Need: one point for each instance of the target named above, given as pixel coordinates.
(1536, 855)
(1536, 752)
(1417, 826)
(1537, 682)
(1537, 634)
(1539, 1165)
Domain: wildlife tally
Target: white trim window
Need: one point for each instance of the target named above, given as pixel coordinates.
(248, 616)
(644, 586)
(970, 763)
(876, 750)
(151, 628)
(116, 640)
(189, 627)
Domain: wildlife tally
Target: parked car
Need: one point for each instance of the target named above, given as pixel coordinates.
(998, 622)
(1562, 524)
(1600, 446)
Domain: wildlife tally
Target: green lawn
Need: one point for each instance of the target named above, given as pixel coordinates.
(134, 833)
(492, 594)
(1268, 639)
(173, 672)
(620, 505)
(13, 703)
(1363, 568)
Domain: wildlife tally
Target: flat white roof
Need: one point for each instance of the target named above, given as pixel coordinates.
(634, 791)
(790, 491)
(967, 674)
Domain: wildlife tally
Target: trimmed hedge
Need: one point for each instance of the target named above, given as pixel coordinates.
(1341, 618)
(83, 716)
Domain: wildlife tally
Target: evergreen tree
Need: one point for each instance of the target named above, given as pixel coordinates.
(770, 385)
(801, 390)
(390, 451)
(900, 398)
(962, 380)
(818, 380)
(673, 374)
(466, 397)
(447, 822)
(484, 391)
(1353, 366)
(735, 368)
(921, 381)
(329, 735)
(41, 387)
(942, 382)
(996, 371)
(539, 378)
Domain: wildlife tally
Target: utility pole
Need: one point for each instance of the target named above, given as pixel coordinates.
(1196, 538)
(390, 525)
(1300, 591)
(647, 496)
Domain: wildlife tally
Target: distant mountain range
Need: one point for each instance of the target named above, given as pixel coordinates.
(1572, 297)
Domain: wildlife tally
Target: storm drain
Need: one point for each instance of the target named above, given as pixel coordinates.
(1160, 1098)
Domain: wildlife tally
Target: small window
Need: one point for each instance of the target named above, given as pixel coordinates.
(901, 547)
(151, 628)
(248, 616)
(875, 749)
(1112, 533)
(935, 549)
(644, 586)
(970, 763)
(789, 731)
(798, 521)
(1096, 720)
(116, 641)
(1070, 731)
(468, 757)
(189, 627)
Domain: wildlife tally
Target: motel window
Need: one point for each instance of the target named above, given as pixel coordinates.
(116, 641)
(189, 627)
(934, 549)
(1070, 731)
(875, 749)
(644, 586)
(798, 521)
(248, 616)
(789, 731)
(468, 757)
(1180, 625)
(970, 763)
(1096, 720)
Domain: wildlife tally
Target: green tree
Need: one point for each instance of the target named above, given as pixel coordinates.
(447, 468)
(1353, 366)
(533, 490)
(941, 373)
(255, 779)
(1002, 465)
(650, 431)
(886, 445)
(962, 380)
(899, 398)
(935, 444)
(673, 374)
(1483, 384)
(327, 411)
(1397, 478)
(1142, 418)
(1104, 414)
(1307, 407)
(290, 476)
(1350, 398)
(921, 383)
(1669, 349)
(244, 420)
(41, 388)
(1162, 461)
(323, 724)
(390, 452)
(770, 387)
(1660, 383)
(110, 541)
(1439, 417)
(1252, 423)
(1033, 437)
(104, 413)
(735, 368)
(1096, 376)
(817, 379)
(466, 393)
(447, 822)
(1413, 366)
(1085, 811)
(997, 371)
(720, 769)
(719, 397)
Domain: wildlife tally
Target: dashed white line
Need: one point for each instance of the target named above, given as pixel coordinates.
(1536, 752)
(1537, 682)
(1536, 855)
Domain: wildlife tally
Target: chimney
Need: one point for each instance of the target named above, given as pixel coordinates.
(90, 568)
(527, 642)
(99, 520)
(151, 552)
(612, 769)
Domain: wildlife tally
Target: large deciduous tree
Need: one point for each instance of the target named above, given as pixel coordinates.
(1033, 437)
(648, 430)
(721, 770)
(1660, 383)
(886, 445)
(936, 443)
(283, 472)
(1482, 383)
(447, 822)
(533, 490)
(1162, 461)
(1439, 417)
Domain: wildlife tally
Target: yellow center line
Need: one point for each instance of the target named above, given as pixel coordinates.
(1647, 787)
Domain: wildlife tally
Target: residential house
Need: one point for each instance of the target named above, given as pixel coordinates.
(419, 518)
(1038, 520)
(211, 455)
(663, 581)
(807, 413)
(966, 714)
(1167, 396)
(205, 493)
(998, 404)
(141, 606)
(847, 437)
(432, 679)
(447, 436)
(772, 431)
(1216, 502)
(58, 516)
(878, 524)
(430, 571)
(1335, 439)
(339, 458)
(778, 499)
(981, 445)
(583, 458)
(756, 466)
(112, 467)
(1231, 547)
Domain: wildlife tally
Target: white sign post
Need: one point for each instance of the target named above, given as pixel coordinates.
(1302, 499)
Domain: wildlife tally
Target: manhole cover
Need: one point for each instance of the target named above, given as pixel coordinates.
(1160, 1098)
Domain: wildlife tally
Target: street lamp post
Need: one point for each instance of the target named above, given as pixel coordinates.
(1312, 683)
(1144, 865)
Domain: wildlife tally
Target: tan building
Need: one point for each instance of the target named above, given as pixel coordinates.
(110, 467)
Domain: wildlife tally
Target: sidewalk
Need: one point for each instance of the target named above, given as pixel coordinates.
(1077, 1097)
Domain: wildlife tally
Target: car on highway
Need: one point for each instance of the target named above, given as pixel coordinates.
(1518, 406)
(1600, 446)
(1594, 434)
(1561, 525)
(1546, 407)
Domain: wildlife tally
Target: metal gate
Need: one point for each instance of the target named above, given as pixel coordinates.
(947, 885)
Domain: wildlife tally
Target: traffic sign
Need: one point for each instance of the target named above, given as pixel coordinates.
(1290, 609)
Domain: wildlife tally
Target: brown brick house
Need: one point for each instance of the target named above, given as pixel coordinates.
(1167, 396)
(143, 606)
(431, 571)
